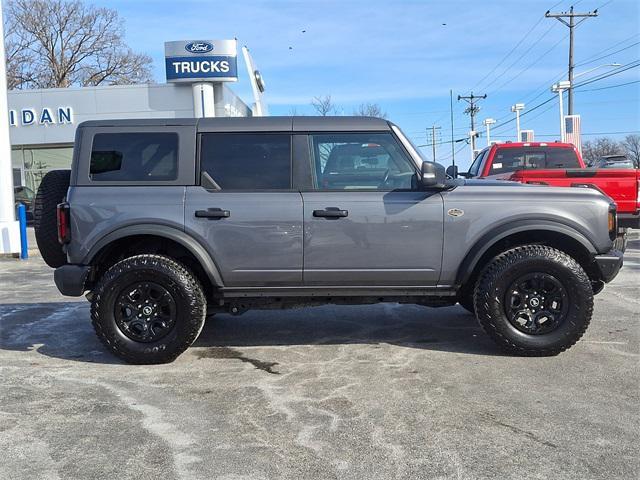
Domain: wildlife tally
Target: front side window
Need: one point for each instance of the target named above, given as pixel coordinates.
(360, 161)
(139, 156)
(247, 161)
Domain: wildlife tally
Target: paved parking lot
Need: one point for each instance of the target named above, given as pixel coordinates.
(369, 392)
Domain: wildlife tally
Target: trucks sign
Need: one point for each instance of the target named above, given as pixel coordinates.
(201, 60)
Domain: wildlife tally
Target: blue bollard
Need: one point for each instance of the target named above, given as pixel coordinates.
(22, 219)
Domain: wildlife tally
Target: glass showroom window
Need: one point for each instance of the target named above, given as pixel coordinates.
(34, 163)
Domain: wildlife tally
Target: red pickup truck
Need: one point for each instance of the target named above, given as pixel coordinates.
(560, 165)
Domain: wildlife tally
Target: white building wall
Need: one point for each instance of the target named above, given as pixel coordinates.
(103, 103)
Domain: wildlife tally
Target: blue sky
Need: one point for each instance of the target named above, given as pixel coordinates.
(406, 55)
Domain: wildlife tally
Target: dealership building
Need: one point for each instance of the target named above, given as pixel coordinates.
(42, 123)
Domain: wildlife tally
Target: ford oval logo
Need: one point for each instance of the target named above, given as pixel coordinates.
(198, 47)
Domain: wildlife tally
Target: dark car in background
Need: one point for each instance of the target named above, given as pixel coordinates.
(615, 161)
(24, 195)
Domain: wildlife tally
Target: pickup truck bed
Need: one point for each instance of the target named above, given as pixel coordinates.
(621, 185)
(526, 162)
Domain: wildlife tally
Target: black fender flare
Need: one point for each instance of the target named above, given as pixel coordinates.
(164, 231)
(493, 236)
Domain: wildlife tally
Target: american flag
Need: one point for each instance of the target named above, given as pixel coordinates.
(526, 135)
(572, 131)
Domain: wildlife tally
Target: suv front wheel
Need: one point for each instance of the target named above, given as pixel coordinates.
(148, 309)
(534, 300)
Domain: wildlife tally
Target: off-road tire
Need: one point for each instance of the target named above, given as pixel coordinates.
(503, 270)
(189, 299)
(51, 192)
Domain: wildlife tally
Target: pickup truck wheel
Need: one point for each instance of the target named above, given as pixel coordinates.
(534, 300)
(620, 243)
(148, 309)
(53, 188)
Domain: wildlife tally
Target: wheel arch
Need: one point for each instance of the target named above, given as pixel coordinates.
(502, 238)
(125, 236)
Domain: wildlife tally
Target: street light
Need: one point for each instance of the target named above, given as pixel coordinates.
(487, 122)
(614, 65)
(559, 88)
(517, 108)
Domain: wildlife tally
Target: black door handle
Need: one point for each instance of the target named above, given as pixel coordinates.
(331, 212)
(213, 213)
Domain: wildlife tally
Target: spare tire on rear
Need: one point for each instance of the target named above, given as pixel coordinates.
(51, 192)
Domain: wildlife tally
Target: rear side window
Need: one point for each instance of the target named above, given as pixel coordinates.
(512, 159)
(247, 161)
(140, 156)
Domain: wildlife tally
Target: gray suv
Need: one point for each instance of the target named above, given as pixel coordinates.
(163, 222)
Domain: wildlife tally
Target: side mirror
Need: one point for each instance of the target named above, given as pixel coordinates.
(452, 171)
(433, 175)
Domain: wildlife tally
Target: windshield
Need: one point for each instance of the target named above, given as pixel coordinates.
(474, 169)
(409, 145)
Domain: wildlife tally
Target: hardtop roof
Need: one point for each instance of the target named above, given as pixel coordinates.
(255, 124)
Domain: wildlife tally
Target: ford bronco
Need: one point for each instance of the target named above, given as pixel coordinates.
(163, 222)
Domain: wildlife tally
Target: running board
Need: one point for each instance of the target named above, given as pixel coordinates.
(337, 291)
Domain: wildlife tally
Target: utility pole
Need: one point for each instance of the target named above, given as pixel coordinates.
(472, 110)
(571, 15)
(434, 140)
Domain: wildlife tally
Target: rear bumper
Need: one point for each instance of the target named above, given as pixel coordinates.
(71, 279)
(609, 265)
(629, 220)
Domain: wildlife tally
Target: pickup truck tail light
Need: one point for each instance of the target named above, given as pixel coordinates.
(613, 221)
(63, 216)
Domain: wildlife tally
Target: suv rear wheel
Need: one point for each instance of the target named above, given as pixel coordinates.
(148, 309)
(534, 300)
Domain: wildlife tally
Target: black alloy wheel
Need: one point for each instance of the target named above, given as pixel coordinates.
(145, 311)
(536, 303)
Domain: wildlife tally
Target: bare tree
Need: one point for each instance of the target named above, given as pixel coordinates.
(631, 145)
(593, 150)
(63, 43)
(324, 106)
(370, 110)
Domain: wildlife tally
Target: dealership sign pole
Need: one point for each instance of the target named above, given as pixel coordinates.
(9, 229)
(257, 84)
(204, 64)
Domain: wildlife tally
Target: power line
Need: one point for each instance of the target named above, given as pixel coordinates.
(571, 15)
(607, 55)
(610, 86)
(530, 65)
(526, 35)
(584, 134)
(504, 72)
(618, 71)
(609, 48)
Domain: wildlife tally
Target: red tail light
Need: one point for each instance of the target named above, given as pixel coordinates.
(64, 232)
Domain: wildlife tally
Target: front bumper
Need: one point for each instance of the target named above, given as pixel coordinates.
(609, 264)
(629, 220)
(71, 279)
